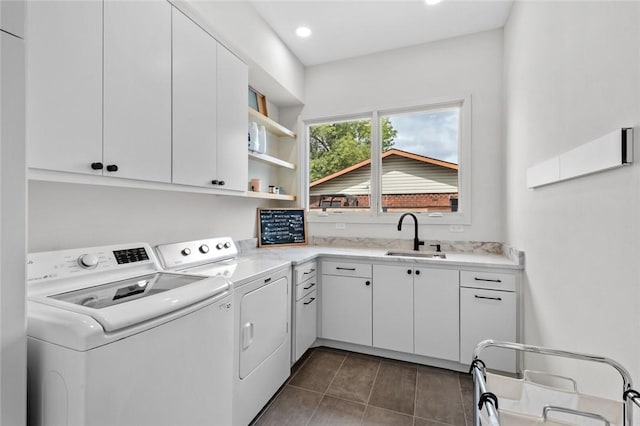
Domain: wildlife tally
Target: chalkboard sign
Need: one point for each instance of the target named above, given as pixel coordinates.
(281, 227)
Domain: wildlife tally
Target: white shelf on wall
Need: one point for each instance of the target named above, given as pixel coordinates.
(272, 161)
(604, 153)
(269, 196)
(272, 126)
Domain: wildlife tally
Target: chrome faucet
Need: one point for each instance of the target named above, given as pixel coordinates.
(416, 242)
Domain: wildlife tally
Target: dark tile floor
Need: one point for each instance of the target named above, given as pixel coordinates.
(333, 387)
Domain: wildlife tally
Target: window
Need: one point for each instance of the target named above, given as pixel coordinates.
(420, 160)
(340, 166)
(392, 161)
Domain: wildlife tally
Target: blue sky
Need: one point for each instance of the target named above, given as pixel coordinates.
(432, 134)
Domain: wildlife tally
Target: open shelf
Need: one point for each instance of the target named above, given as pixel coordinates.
(273, 161)
(272, 126)
(268, 196)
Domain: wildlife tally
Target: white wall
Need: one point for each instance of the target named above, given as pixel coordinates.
(572, 73)
(414, 76)
(65, 215)
(13, 342)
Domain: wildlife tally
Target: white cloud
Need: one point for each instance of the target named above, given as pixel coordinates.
(431, 134)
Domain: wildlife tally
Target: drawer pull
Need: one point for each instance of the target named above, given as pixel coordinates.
(310, 285)
(486, 279)
(310, 271)
(310, 301)
(266, 280)
(487, 297)
(340, 268)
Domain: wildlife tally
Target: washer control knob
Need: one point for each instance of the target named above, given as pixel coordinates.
(219, 246)
(88, 261)
(186, 252)
(204, 249)
(227, 244)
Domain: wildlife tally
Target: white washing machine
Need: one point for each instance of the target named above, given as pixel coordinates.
(114, 340)
(262, 297)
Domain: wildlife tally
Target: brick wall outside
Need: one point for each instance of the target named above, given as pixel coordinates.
(391, 202)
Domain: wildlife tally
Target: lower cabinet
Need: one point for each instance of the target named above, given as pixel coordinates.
(415, 310)
(428, 311)
(437, 315)
(346, 303)
(305, 311)
(393, 307)
(488, 310)
(306, 323)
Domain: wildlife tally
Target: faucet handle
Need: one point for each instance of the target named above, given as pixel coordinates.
(437, 246)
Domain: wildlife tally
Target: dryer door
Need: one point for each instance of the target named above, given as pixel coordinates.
(263, 324)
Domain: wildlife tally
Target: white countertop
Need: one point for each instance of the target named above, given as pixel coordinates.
(301, 254)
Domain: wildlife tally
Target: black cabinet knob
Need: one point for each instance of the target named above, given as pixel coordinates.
(409, 271)
(221, 183)
(96, 166)
(214, 182)
(367, 283)
(417, 272)
(112, 168)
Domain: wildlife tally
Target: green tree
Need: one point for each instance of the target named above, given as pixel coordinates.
(336, 146)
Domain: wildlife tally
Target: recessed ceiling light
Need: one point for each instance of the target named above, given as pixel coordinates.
(432, 2)
(303, 32)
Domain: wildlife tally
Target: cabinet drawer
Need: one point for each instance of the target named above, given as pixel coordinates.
(306, 287)
(489, 280)
(305, 271)
(347, 269)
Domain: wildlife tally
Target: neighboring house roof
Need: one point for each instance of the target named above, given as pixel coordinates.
(402, 172)
(386, 154)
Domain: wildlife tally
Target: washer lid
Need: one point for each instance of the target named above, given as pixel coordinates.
(120, 304)
(123, 291)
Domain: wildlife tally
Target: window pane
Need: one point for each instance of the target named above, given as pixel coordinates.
(420, 161)
(340, 166)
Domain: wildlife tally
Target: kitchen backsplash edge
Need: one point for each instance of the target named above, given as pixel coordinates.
(478, 247)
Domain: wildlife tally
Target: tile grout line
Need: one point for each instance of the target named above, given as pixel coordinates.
(415, 395)
(325, 391)
(375, 379)
(464, 410)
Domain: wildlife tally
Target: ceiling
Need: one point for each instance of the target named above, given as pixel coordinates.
(349, 28)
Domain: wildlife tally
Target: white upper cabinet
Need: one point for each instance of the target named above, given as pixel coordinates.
(233, 80)
(64, 80)
(209, 110)
(137, 90)
(194, 103)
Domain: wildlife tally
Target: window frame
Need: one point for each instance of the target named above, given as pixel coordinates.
(375, 213)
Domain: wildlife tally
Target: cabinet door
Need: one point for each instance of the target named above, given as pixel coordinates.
(137, 89)
(306, 321)
(436, 306)
(393, 307)
(488, 314)
(232, 121)
(64, 78)
(346, 309)
(194, 103)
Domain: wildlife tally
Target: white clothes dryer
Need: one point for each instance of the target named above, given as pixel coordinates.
(262, 300)
(113, 340)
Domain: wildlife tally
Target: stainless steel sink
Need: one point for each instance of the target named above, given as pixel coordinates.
(412, 253)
